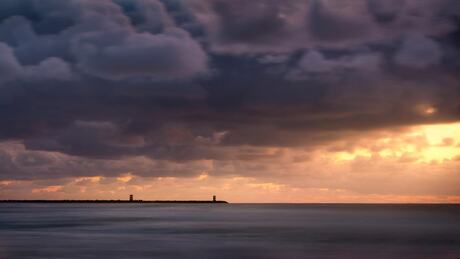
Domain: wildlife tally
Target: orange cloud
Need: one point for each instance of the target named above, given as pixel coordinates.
(53, 188)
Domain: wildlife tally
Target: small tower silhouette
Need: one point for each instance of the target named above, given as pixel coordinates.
(214, 198)
(131, 198)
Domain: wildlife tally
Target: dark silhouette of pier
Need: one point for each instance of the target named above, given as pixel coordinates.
(130, 200)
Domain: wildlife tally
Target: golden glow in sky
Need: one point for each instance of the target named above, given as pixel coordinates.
(426, 110)
(430, 110)
(424, 144)
(417, 164)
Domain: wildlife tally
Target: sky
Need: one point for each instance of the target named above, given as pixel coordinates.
(252, 101)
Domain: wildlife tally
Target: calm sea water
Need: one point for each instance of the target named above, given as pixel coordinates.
(228, 231)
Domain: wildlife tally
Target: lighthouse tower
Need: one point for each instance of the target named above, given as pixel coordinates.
(214, 198)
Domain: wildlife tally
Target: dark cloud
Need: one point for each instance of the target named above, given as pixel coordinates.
(386, 11)
(9, 67)
(100, 39)
(251, 27)
(332, 23)
(178, 82)
(51, 68)
(267, 24)
(284, 26)
(419, 52)
(171, 55)
(33, 159)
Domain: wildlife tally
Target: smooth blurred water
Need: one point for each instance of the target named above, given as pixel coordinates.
(228, 231)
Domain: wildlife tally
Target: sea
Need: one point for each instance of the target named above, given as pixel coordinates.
(138, 230)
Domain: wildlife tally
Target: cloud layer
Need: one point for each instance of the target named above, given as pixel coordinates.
(90, 88)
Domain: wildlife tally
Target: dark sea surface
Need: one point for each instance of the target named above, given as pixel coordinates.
(228, 231)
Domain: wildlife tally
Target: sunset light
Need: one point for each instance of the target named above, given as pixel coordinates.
(228, 129)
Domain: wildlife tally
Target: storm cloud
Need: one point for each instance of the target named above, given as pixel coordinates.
(89, 87)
